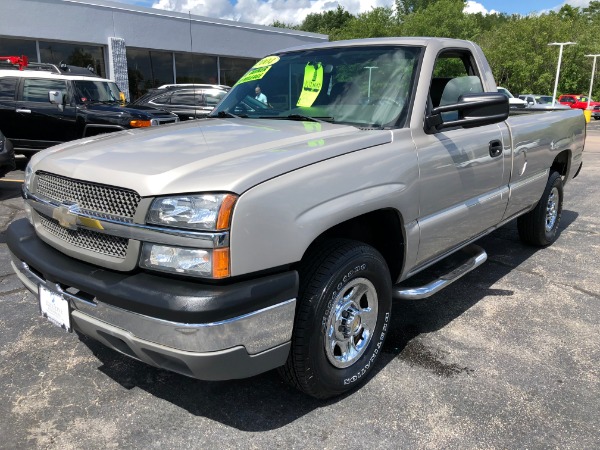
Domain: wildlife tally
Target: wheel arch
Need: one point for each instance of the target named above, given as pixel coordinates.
(382, 229)
(562, 164)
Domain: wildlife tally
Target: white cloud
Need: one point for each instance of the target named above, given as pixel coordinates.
(265, 12)
(473, 7)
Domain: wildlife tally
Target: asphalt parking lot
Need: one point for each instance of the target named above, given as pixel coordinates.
(507, 357)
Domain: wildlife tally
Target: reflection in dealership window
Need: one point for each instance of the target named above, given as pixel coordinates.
(148, 69)
(18, 47)
(195, 68)
(36, 90)
(73, 54)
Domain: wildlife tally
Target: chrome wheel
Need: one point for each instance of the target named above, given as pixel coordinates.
(351, 323)
(552, 209)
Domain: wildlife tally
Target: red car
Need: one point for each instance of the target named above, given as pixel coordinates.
(576, 101)
(580, 102)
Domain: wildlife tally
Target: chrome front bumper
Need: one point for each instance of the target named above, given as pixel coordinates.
(234, 348)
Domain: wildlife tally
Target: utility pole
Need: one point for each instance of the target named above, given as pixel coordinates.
(592, 80)
(561, 44)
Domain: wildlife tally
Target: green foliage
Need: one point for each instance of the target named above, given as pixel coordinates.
(328, 22)
(379, 22)
(516, 46)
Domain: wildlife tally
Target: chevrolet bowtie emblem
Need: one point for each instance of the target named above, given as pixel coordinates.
(66, 214)
(68, 217)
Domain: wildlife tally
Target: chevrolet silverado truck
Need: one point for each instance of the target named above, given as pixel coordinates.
(277, 235)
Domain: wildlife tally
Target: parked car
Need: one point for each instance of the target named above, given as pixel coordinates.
(278, 236)
(7, 156)
(187, 101)
(45, 104)
(514, 102)
(541, 102)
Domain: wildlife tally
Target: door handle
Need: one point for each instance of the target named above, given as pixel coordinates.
(495, 148)
(25, 111)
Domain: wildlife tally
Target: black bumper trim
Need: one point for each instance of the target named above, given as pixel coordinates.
(152, 295)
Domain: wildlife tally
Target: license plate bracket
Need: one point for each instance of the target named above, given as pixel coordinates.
(55, 308)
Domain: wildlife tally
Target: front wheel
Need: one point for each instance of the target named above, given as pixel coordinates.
(342, 318)
(540, 226)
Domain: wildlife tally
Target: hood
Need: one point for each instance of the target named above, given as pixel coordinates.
(207, 155)
(133, 110)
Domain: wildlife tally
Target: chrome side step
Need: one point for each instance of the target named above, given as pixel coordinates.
(478, 257)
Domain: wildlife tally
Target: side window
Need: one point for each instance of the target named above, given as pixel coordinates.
(187, 97)
(568, 100)
(213, 96)
(161, 99)
(7, 89)
(36, 90)
(454, 74)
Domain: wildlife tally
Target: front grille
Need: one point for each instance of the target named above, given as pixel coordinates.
(90, 197)
(87, 239)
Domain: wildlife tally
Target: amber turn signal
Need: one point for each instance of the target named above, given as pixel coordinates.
(220, 260)
(140, 123)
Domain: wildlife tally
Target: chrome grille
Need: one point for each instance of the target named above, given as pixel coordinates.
(87, 239)
(90, 197)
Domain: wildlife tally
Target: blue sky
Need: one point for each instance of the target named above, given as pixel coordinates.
(293, 11)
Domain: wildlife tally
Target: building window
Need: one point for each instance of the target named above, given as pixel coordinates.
(81, 55)
(148, 69)
(195, 68)
(18, 47)
(232, 69)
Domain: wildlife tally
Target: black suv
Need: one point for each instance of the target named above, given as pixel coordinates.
(188, 101)
(44, 105)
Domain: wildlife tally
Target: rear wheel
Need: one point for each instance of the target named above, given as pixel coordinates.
(540, 226)
(342, 318)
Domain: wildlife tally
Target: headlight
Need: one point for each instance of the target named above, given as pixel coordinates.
(188, 261)
(28, 176)
(210, 212)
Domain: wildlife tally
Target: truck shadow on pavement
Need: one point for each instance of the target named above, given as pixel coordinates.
(265, 402)
(9, 189)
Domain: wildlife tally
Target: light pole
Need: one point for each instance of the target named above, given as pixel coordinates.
(592, 80)
(561, 44)
(370, 68)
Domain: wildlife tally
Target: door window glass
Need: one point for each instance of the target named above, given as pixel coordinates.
(187, 97)
(36, 90)
(7, 88)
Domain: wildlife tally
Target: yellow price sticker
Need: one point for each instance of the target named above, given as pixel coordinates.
(312, 85)
(268, 61)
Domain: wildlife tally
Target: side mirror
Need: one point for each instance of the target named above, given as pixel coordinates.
(56, 97)
(122, 97)
(472, 110)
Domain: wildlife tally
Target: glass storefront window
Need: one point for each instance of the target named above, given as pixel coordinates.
(195, 68)
(81, 55)
(232, 69)
(148, 69)
(18, 47)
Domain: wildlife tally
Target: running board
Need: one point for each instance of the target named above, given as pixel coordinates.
(478, 257)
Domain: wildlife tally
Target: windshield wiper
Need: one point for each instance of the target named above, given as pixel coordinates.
(301, 117)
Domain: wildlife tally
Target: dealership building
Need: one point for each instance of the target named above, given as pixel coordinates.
(139, 48)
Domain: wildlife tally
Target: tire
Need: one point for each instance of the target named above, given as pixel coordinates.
(342, 318)
(539, 226)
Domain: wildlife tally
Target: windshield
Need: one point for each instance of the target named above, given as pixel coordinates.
(505, 92)
(97, 91)
(363, 86)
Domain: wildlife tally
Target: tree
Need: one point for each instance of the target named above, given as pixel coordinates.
(327, 22)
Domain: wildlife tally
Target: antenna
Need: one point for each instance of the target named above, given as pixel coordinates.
(192, 58)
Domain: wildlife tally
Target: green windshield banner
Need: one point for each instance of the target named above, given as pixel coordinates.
(254, 74)
(313, 82)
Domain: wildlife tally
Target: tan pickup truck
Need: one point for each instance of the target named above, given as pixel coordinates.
(277, 232)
